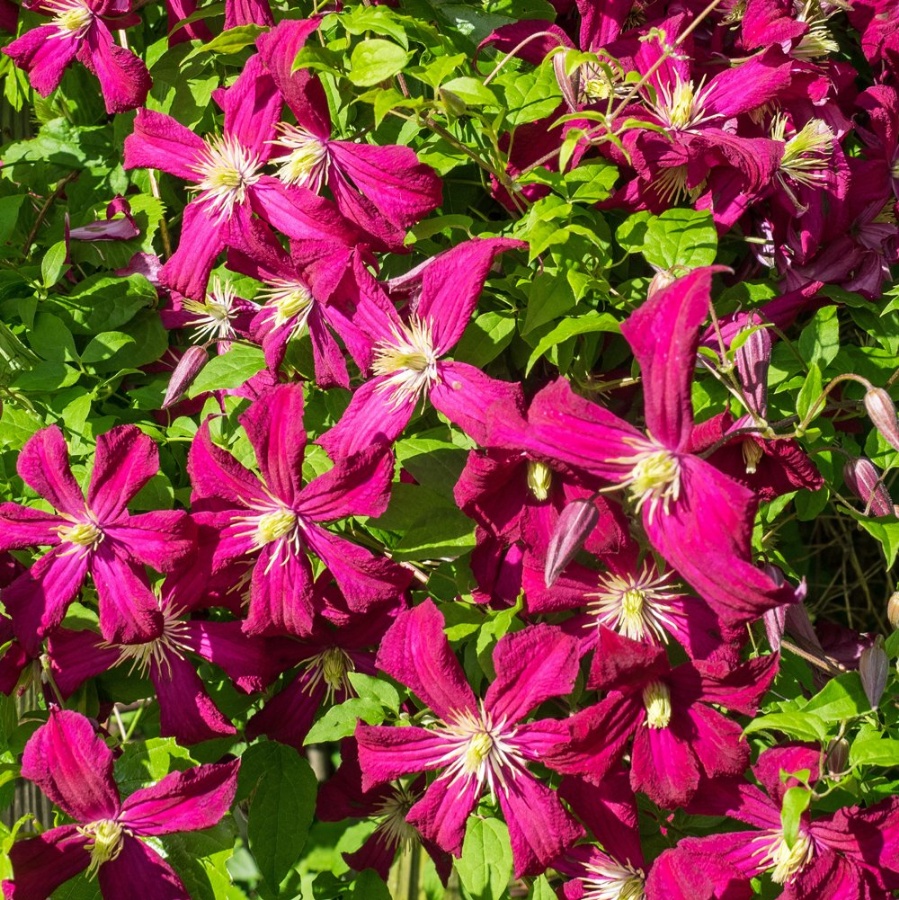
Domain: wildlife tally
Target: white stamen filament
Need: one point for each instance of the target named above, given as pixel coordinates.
(654, 476)
(409, 358)
(72, 17)
(680, 106)
(657, 702)
(612, 880)
(635, 606)
(105, 844)
(783, 860)
(226, 169)
(160, 649)
(394, 825)
(290, 299)
(306, 163)
(215, 314)
(273, 523)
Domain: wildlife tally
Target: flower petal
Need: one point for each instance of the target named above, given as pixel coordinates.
(124, 79)
(139, 864)
(387, 753)
(44, 466)
(126, 460)
(442, 812)
(42, 864)
(160, 142)
(281, 595)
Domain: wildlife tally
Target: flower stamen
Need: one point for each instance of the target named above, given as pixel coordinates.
(226, 169)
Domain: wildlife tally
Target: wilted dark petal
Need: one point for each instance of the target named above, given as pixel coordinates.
(388, 753)
(183, 801)
(377, 853)
(73, 767)
(186, 711)
(139, 864)
(288, 716)
(247, 661)
(43, 464)
(42, 864)
(539, 827)
(442, 812)
(416, 653)
(129, 610)
(622, 664)
(531, 666)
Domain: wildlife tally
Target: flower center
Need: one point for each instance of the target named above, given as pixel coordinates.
(786, 861)
(105, 842)
(671, 185)
(540, 477)
(290, 299)
(273, 526)
(636, 606)
(657, 701)
(331, 666)
(394, 825)
(611, 880)
(752, 454)
(81, 534)
(806, 155)
(157, 651)
(410, 358)
(71, 17)
(215, 314)
(680, 105)
(226, 169)
(654, 477)
(306, 162)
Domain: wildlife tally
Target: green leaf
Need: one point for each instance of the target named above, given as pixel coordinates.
(53, 263)
(146, 762)
(840, 699)
(367, 687)
(106, 345)
(681, 238)
(231, 41)
(374, 61)
(230, 370)
(340, 721)
(572, 327)
(50, 339)
(17, 425)
(809, 393)
(470, 91)
(200, 859)
(874, 751)
(485, 338)
(485, 868)
(435, 465)
(9, 215)
(282, 802)
(541, 890)
(795, 802)
(443, 533)
(820, 340)
(884, 529)
(105, 303)
(802, 725)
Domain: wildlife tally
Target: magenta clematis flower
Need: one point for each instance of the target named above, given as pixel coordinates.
(407, 351)
(81, 30)
(852, 852)
(96, 535)
(276, 517)
(226, 172)
(678, 735)
(383, 189)
(476, 744)
(342, 797)
(699, 519)
(73, 767)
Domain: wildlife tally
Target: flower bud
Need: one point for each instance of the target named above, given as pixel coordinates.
(882, 412)
(753, 357)
(837, 756)
(873, 665)
(893, 609)
(189, 366)
(572, 529)
(862, 477)
(568, 84)
(663, 278)
(775, 621)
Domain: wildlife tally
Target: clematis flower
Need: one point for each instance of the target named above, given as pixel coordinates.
(678, 736)
(383, 189)
(476, 744)
(275, 518)
(95, 535)
(407, 351)
(226, 173)
(852, 852)
(699, 519)
(81, 30)
(73, 767)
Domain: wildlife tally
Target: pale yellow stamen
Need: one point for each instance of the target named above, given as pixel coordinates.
(657, 701)
(71, 17)
(307, 160)
(331, 666)
(81, 534)
(160, 649)
(752, 455)
(409, 358)
(612, 880)
(290, 299)
(654, 476)
(215, 313)
(635, 606)
(106, 842)
(681, 105)
(226, 170)
(273, 526)
(671, 185)
(394, 825)
(806, 155)
(783, 860)
(540, 477)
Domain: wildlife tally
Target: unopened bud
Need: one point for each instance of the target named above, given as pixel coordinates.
(663, 278)
(863, 478)
(568, 84)
(775, 622)
(893, 609)
(572, 529)
(454, 104)
(189, 366)
(837, 756)
(882, 412)
(753, 357)
(873, 665)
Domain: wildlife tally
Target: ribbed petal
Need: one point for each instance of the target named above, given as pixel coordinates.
(126, 460)
(73, 767)
(718, 742)
(129, 612)
(42, 864)
(288, 716)
(44, 465)
(416, 653)
(372, 415)
(281, 595)
(388, 753)
(539, 827)
(183, 801)
(358, 485)
(664, 766)
(160, 142)
(76, 656)
(186, 711)
(124, 79)
(23, 527)
(215, 473)
(248, 12)
(664, 334)
(247, 661)
(465, 395)
(713, 868)
(451, 284)
(363, 577)
(531, 666)
(203, 237)
(160, 539)
(442, 812)
(748, 86)
(252, 106)
(44, 54)
(139, 864)
(274, 425)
